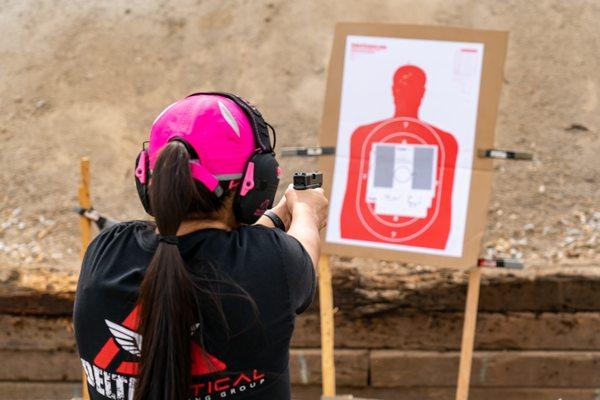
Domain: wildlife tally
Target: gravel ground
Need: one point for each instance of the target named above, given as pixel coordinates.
(87, 78)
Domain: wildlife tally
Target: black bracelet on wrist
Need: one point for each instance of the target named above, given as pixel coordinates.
(275, 218)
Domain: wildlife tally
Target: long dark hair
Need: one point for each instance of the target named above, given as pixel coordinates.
(171, 293)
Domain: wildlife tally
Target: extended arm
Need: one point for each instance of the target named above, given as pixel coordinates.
(305, 228)
(309, 215)
(304, 213)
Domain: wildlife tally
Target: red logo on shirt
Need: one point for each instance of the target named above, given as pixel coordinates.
(124, 337)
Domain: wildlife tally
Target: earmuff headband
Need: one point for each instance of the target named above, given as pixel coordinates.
(260, 128)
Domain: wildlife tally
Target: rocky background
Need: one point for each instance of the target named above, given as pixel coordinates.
(85, 78)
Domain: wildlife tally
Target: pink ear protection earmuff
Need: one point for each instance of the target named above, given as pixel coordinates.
(256, 192)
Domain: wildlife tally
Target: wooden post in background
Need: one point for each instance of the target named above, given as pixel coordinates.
(86, 203)
(468, 336)
(326, 309)
(86, 232)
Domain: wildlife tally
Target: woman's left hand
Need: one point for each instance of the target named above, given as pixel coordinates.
(282, 211)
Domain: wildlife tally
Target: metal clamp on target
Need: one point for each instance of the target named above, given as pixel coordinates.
(504, 154)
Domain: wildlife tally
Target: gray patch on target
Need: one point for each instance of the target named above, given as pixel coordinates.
(385, 157)
(423, 169)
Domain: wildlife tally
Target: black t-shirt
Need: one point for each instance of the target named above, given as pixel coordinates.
(251, 362)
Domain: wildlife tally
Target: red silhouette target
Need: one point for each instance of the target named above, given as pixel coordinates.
(401, 174)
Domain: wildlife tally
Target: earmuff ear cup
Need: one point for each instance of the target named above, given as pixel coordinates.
(142, 188)
(250, 204)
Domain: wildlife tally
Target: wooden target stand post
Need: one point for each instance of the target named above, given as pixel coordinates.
(472, 300)
(85, 224)
(327, 333)
(87, 215)
(471, 304)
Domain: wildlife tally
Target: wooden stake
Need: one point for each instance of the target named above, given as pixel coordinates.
(86, 203)
(326, 308)
(86, 233)
(468, 337)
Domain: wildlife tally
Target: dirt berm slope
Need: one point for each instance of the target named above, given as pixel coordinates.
(87, 78)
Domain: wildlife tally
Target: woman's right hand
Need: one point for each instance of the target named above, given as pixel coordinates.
(309, 202)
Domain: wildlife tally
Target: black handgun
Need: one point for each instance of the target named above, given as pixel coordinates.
(311, 180)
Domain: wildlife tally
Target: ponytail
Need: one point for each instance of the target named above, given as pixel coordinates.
(169, 306)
